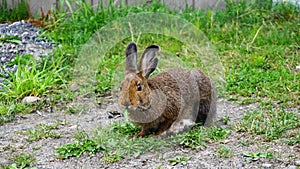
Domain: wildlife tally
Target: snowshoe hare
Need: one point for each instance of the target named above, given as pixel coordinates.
(167, 103)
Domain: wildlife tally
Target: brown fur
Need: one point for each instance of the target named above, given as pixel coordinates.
(169, 102)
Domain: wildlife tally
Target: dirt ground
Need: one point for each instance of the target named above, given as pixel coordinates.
(13, 142)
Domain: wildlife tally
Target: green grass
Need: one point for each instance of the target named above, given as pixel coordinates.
(179, 159)
(22, 161)
(116, 142)
(272, 124)
(18, 12)
(198, 137)
(45, 131)
(12, 39)
(32, 78)
(254, 156)
(224, 151)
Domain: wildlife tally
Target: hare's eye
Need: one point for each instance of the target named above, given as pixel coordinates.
(139, 87)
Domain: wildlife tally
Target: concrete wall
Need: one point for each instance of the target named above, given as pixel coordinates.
(37, 5)
(181, 4)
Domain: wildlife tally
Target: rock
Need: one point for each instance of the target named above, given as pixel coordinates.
(30, 99)
(297, 162)
(267, 165)
(240, 165)
(292, 167)
(114, 111)
(4, 161)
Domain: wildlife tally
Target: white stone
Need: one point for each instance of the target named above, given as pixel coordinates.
(30, 99)
(266, 165)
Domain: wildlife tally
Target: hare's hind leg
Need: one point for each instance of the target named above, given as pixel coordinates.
(179, 126)
(189, 91)
(185, 120)
(164, 127)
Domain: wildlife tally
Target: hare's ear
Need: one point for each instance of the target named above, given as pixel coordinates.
(131, 58)
(148, 62)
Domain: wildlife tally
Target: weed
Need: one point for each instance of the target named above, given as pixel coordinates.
(81, 135)
(197, 138)
(8, 111)
(292, 137)
(224, 151)
(74, 108)
(218, 133)
(128, 129)
(179, 159)
(12, 39)
(254, 156)
(225, 120)
(44, 132)
(272, 124)
(115, 142)
(246, 143)
(22, 161)
(111, 158)
(79, 147)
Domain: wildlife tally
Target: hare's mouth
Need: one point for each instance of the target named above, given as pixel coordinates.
(144, 107)
(129, 107)
(139, 107)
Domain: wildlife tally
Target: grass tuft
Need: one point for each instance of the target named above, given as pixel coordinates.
(271, 124)
(44, 132)
(17, 12)
(22, 161)
(116, 142)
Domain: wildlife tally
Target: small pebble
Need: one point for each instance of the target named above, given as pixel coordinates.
(267, 165)
(240, 165)
(30, 99)
(297, 162)
(292, 167)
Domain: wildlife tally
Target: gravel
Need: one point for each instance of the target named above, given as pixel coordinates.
(13, 142)
(29, 42)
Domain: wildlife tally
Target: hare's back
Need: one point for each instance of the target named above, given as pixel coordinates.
(181, 79)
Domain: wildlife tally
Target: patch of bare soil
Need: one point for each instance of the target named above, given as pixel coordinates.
(13, 141)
